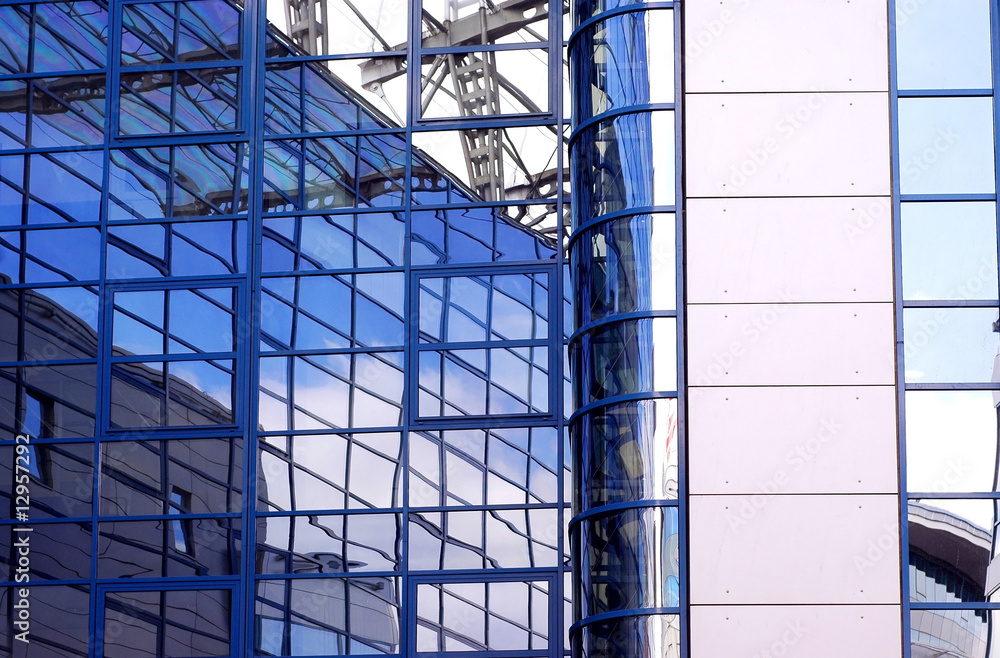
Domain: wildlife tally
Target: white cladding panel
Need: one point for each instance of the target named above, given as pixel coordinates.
(796, 631)
(782, 45)
(794, 549)
(788, 144)
(768, 250)
(837, 439)
(790, 344)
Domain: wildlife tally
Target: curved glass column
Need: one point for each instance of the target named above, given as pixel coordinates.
(624, 351)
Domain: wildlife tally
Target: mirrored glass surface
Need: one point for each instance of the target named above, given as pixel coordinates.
(481, 83)
(943, 44)
(328, 543)
(658, 635)
(168, 547)
(57, 551)
(182, 622)
(58, 479)
(49, 401)
(945, 345)
(327, 616)
(60, 616)
(949, 251)
(951, 441)
(478, 616)
(946, 146)
(965, 632)
(44, 324)
(630, 560)
(624, 60)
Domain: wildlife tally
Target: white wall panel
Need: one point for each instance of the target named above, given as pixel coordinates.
(747, 440)
(790, 344)
(795, 144)
(767, 250)
(796, 631)
(783, 45)
(794, 549)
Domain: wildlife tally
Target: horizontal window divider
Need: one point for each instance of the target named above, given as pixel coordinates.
(169, 517)
(631, 397)
(49, 441)
(332, 512)
(504, 574)
(482, 48)
(619, 614)
(483, 422)
(943, 93)
(341, 210)
(360, 132)
(184, 433)
(472, 653)
(178, 219)
(166, 583)
(47, 520)
(236, 281)
(51, 284)
(340, 271)
(323, 432)
(617, 112)
(348, 350)
(952, 386)
(954, 605)
(526, 120)
(507, 507)
(320, 576)
(377, 54)
(945, 197)
(618, 214)
(950, 495)
(190, 65)
(27, 76)
(463, 205)
(49, 363)
(97, 149)
(171, 358)
(51, 226)
(478, 345)
(614, 508)
(201, 138)
(621, 317)
(618, 11)
(36, 582)
(951, 303)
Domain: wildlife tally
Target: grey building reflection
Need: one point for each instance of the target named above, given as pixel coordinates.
(155, 559)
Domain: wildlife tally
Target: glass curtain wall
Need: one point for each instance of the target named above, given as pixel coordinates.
(283, 328)
(624, 349)
(946, 234)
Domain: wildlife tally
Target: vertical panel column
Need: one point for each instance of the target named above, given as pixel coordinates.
(625, 532)
(794, 495)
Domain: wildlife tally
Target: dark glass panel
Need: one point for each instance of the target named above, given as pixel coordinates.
(167, 624)
(328, 616)
(382, 170)
(283, 98)
(138, 184)
(282, 175)
(624, 162)
(15, 25)
(625, 265)
(57, 551)
(13, 114)
(626, 452)
(326, 107)
(65, 187)
(190, 393)
(329, 472)
(168, 547)
(654, 635)
(145, 103)
(67, 111)
(209, 31)
(149, 33)
(632, 356)
(59, 625)
(138, 477)
(48, 324)
(478, 616)
(70, 36)
(330, 172)
(65, 400)
(950, 631)
(951, 547)
(630, 560)
(210, 180)
(179, 249)
(206, 100)
(60, 479)
(328, 544)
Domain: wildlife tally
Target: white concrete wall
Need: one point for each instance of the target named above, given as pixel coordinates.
(792, 443)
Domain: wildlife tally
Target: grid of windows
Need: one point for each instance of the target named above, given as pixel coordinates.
(946, 232)
(285, 320)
